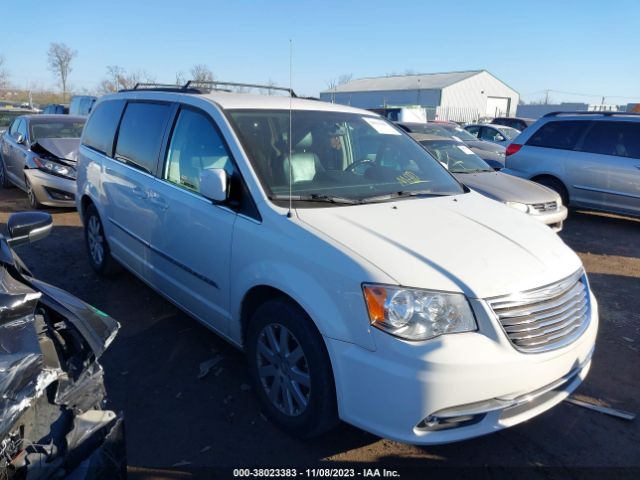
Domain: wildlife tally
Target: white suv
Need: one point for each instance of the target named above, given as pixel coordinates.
(362, 280)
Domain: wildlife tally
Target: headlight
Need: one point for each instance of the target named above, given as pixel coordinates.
(417, 314)
(55, 168)
(523, 207)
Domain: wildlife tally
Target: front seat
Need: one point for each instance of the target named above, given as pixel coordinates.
(303, 167)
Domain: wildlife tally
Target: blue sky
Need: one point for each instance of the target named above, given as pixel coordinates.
(568, 46)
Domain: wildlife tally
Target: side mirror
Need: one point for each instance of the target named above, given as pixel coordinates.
(214, 184)
(499, 138)
(20, 138)
(27, 227)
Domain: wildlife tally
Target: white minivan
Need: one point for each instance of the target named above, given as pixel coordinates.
(362, 280)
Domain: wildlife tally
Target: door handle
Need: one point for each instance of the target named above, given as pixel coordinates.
(158, 201)
(138, 192)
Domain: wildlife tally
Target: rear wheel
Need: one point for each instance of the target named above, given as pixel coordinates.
(31, 195)
(555, 185)
(97, 247)
(290, 369)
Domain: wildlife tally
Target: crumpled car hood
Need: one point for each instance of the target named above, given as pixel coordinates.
(465, 243)
(52, 424)
(65, 148)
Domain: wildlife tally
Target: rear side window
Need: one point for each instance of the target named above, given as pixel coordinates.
(140, 134)
(563, 135)
(101, 126)
(621, 139)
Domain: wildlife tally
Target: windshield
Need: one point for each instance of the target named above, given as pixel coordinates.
(459, 133)
(334, 155)
(508, 132)
(456, 156)
(56, 129)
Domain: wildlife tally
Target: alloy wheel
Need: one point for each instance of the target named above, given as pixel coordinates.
(95, 240)
(283, 369)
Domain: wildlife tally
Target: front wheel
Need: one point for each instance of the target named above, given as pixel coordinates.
(97, 247)
(557, 186)
(290, 369)
(31, 195)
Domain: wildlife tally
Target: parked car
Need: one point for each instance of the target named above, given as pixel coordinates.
(493, 133)
(363, 281)
(592, 159)
(528, 197)
(81, 104)
(38, 155)
(52, 418)
(55, 109)
(490, 152)
(519, 123)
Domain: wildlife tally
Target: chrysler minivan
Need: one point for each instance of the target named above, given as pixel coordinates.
(363, 281)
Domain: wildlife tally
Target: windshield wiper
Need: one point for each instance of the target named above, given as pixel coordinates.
(402, 194)
(314, 197)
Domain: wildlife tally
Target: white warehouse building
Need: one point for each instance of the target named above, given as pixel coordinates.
(458, 96)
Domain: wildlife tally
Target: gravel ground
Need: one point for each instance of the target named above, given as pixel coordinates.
(175, 419)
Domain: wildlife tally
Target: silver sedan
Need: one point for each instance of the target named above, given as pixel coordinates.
(540, 202)
(38, 155)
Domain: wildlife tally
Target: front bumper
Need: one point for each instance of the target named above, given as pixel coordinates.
(554, 218)
(479, 380)
(51, 190)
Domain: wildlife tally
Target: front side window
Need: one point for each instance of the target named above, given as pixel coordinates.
(140, 134)
(22, 129)
(474, 130)
(562, 134)
(490, 134)
(195, 146)
(55, 129)
(509, 132)
(621, 139)
(337, 157)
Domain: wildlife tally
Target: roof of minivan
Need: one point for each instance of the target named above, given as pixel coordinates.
(246, 101)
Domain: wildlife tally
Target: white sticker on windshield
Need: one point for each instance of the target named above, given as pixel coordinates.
(465, 149)
(381, 126)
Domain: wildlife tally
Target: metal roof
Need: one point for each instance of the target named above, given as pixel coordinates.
(424, 81)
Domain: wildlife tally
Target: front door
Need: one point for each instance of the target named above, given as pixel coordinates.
(191, 243)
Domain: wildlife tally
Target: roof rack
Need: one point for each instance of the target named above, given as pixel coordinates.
(214, 84)
(605, 113)
(192, 86)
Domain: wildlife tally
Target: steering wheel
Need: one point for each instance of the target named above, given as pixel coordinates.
(359, 163)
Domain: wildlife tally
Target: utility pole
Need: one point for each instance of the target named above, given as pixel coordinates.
(546, 97)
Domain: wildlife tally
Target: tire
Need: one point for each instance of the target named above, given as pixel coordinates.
(97, 247)
(557, 186)
(31, 195)
(4, 180)
(309, 408)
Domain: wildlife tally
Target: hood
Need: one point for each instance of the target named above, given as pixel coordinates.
(507, 188)
(65, 148)
(464, 243)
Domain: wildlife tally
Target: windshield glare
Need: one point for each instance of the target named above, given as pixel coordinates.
(508, 132)
(57, 129)
(335, 154)
(457, 157)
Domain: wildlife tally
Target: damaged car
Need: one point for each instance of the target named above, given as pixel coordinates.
(38, 155)
(53, 421)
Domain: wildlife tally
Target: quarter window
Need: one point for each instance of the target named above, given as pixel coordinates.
(101, 126)
(562, 135)
(140, 134)
(621, 139)
(195, 146)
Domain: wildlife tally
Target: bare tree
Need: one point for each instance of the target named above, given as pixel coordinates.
(4, 74)
(201, 73)
(60, 57)
(180, 79)
(334, 83)
(119, 79)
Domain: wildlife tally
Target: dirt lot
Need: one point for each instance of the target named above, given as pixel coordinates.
(172, 417)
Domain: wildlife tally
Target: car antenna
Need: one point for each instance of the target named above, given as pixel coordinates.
(290, 128)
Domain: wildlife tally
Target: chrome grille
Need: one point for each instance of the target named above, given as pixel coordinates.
(545, 207)
(545, 318)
